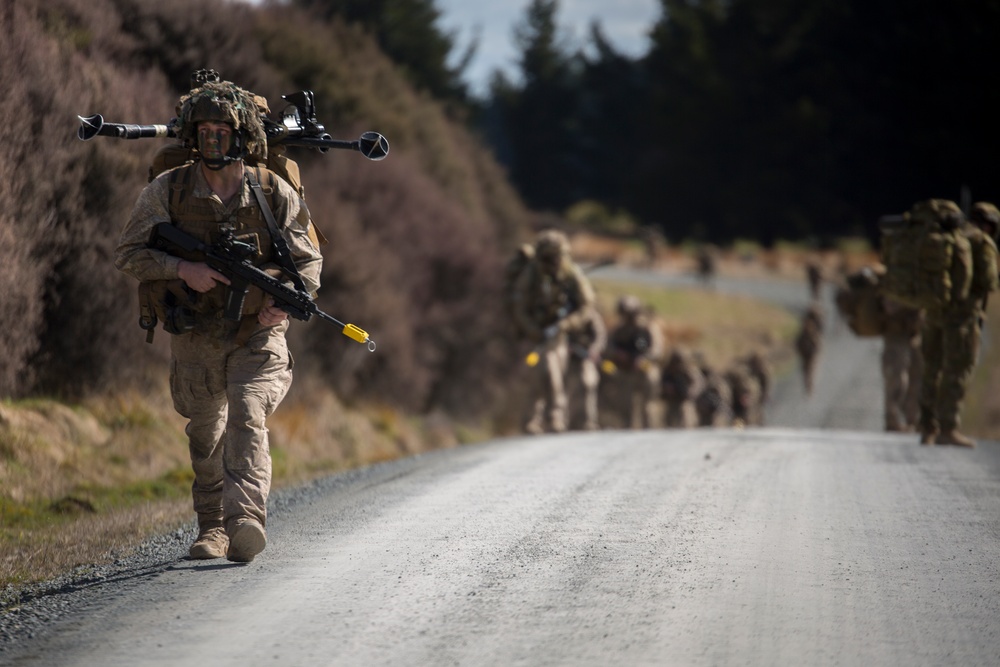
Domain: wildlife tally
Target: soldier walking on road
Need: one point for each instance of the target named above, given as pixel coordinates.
(760, 369)
(902, 364)
(681, 381)
(713, 404)
(814, 276)
(635, 347)
(745, 395)
(808, 344)
(706, 265)
(586, 347)
(551, 298)
(226, 376)
(951, 334)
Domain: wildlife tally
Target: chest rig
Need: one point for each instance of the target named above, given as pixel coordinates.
(551, 298)
(182, 310)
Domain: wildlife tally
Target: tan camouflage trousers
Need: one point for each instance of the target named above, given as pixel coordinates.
(950, 348)
(582, 384)
(637, 391)
(902, 369)
(226, 392)
(546, 391)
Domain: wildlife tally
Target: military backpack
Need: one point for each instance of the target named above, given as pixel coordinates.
(859, 301)
(927, 264)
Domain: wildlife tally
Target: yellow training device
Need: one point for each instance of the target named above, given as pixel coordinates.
(357, 333)
(532, 359)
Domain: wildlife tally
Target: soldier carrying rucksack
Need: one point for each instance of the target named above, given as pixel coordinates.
(951, 271)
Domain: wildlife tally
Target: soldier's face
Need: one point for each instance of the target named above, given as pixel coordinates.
(214, 139)
(550, 264)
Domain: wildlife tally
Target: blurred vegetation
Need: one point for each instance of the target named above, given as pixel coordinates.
(416, 241)
(761, 119)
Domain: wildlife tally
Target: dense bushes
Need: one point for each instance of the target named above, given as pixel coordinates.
(415, 240)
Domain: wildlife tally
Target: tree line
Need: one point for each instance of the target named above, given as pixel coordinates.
(759, 119)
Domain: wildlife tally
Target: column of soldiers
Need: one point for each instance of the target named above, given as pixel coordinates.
(574, 361)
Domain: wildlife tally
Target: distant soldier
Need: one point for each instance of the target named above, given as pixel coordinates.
(808, 344)
(706, 265)
(586, 347)
(951, 336)
(634, 347)
(652, 239)
(814, 276)
(681, 381)
(523, 256)
(744, 394)
(902, 364)
(760, 368)
(551, 298)
(713, 404)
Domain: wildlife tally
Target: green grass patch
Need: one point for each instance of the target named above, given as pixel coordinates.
(37, 514)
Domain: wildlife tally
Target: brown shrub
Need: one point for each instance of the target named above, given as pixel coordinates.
(417, 240)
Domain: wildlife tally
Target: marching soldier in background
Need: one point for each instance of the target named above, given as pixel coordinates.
(635, 347)
(550, 298)
(586, 347)
(951, 333)
(760, 369)
(713, 404)
(814, 276)
(902, 364)
(745, 395)
(808, 343)
(681, 382)
(706, 265)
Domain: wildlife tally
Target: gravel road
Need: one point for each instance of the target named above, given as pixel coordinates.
(816, 540)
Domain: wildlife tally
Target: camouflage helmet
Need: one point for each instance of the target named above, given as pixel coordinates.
(629, 306)
(985, 213)
(225, 102)
(551, 245)
(943, 212)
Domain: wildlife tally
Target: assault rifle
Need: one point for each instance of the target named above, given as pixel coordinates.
(298, 126)
(231, 258)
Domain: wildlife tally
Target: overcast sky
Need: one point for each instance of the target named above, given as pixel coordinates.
(626, 24)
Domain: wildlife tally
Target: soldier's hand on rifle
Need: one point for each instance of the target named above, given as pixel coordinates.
(199, 276)
(271, 314)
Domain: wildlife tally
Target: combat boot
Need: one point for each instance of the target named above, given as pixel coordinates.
(953, 437)
(212, 542)
(246, 539)
(928, 436)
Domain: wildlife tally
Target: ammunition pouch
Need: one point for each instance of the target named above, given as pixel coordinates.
(170, 302)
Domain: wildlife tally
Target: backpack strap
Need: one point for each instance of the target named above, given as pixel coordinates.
(178, 189)
(283, 257)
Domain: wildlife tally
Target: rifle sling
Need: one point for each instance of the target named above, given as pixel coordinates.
(282, 255)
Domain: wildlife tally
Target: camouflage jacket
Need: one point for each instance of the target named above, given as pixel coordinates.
(631, 342)
(540, 300)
